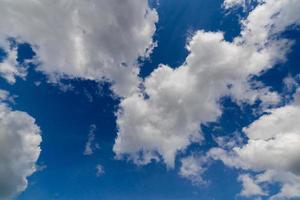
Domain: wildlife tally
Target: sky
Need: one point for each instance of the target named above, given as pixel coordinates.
(138, 99)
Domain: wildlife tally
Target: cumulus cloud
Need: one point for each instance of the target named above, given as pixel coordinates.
(165, 116)
(180, 99)
(93, 39)
(19, 148)
(183, 98)
(275, 137)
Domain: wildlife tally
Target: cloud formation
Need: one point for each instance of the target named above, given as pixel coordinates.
(19, 148)
(165, 116)
(93, 39)
(275, 135)
(103, 40)
(179, 100)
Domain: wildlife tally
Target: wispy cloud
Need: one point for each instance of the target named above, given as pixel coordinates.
(90, 146)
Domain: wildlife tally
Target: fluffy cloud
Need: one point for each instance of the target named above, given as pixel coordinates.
(165, 116)
(180, 99)
(93, 39)
(275, 135)
(268, 19)
(19, 148)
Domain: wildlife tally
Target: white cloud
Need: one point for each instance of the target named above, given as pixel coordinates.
(92, 39)
(267, 20)
(192, 168)
(275, 137)
(9, 68)
(229, 4)
(165, 117)
(75, 39)
(19, 148)
(290, 183)
(232, 3)
(250, 188)
(183, 98)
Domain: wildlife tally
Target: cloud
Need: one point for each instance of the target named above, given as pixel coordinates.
(164, 117)
(9, 68)
(268, 19)
(192, 168)
(183, 98)
(90, 146)
(250, 188)
(99, 170)
(19, 148)
(275, 137)
(233, 3)
(229, 4)
(290, 184)
(4, 95)
(93, 39)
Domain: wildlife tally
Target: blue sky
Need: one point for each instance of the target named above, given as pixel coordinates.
(66, 108)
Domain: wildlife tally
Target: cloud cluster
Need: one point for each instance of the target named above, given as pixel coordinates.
(93, 39)
(178, 100)
(160, 116)
(272, 149)
(275, 138)
(19, 148)
(165, 116)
